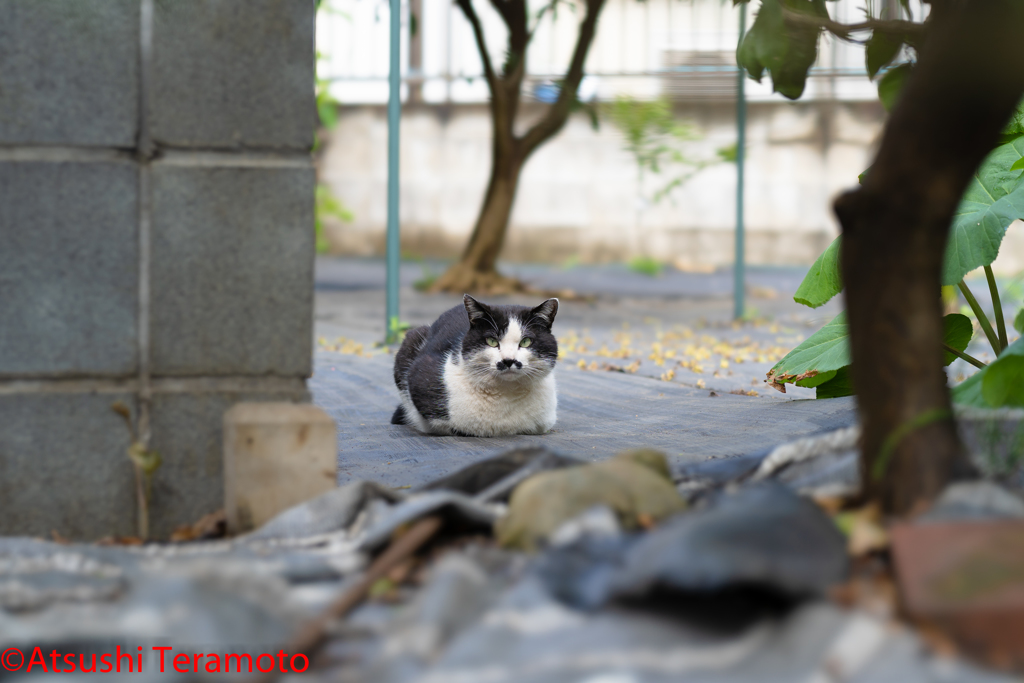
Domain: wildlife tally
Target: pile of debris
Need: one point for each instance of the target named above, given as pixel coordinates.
(535, 567)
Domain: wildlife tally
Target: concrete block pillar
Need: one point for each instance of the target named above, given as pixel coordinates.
(156, 246)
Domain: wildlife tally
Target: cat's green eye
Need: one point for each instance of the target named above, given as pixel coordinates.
(491, 341)
(526, 341)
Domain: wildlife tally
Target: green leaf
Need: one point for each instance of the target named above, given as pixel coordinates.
(837, 387)
(327, 110)
(746, 54)
(993, 200)
(823, 281)
(820, 361)
(1019, 164)
(825, 350)
(1003, 383)
(891, 85)
(957, 332)
(786, 51)
(968, 392)
(1015, 128)
(880, 50)
(1018, 322)
(816, 380)
(972, 391)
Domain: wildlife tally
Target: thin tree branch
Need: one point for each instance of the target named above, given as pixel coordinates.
(898, 26)
(558, 112)
(986, 326)
(1000, 323)
(964, 356)
(478, 33)
(502, 8)
(550, 7)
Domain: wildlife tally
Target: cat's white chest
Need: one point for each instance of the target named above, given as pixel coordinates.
(499, 408)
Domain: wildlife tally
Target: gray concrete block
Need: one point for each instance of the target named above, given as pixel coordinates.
(233, 74)
(187, 430)
(69, 72)
(232, 271)
(64, 466)
(68, 269)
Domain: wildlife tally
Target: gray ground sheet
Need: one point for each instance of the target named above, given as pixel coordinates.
(618, 318)
(599, 414)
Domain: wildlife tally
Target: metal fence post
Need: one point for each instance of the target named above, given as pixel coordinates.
(739, 267)
(394, 121)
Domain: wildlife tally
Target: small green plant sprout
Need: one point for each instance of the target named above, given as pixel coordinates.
(145, 463)
(396, 331)
(993, 200)
(646, 265)
(427, 278)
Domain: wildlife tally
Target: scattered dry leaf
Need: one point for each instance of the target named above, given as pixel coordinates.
(210, 526)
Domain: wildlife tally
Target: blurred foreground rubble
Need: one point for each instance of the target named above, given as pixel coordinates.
(769, 569)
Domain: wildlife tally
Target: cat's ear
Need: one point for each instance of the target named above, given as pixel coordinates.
(477, 311)
(545, 312)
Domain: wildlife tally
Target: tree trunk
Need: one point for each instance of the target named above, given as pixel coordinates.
(476, 271)
(895, 227)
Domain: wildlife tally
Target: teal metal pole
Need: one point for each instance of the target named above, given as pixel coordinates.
(739, 267)
(394, 121)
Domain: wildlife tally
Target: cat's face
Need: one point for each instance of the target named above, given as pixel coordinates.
(510, 343)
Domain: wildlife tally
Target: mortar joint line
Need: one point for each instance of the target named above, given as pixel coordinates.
(145, 153)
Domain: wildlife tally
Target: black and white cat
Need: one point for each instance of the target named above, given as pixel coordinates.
(480, 370)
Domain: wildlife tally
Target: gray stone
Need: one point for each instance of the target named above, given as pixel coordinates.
(232, 271)
(970, 500)
(233, 74)
(69, 72)
(64, 466)
(762, 535)
(68, 269)
(187, 430)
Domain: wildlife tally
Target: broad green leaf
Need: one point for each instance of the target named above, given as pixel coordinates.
(891, 85)
(968, 392)
(993, 200)
(837, 387)
(1003, 383)
(1015, 128)
(786, 51)
(971, 392)
(880, 50)
(816, 380)
(825, 350)
(1018, 165)
(1018, 322)
(957, 332)
(746, 54)
(823, 281)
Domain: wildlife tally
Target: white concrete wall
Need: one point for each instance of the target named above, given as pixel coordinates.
(579, 194)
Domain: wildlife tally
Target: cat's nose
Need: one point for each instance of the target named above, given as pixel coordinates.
(506, 363)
